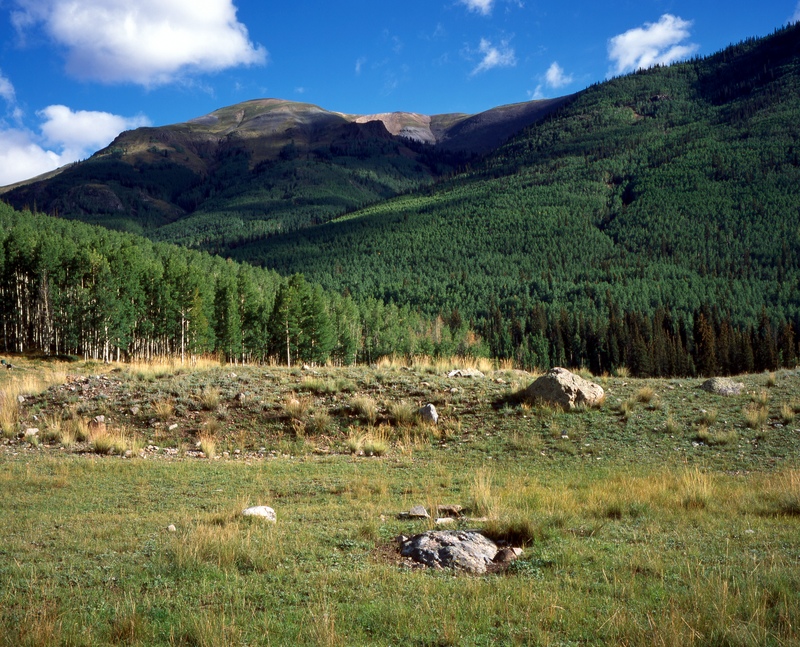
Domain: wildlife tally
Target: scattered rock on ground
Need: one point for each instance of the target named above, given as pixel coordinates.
(263, 511)
(722, 386)
(33, 431)
(429, 414)
(463, 550)
(418, 512)
(449, 510)
(465, 372)
(560, 386)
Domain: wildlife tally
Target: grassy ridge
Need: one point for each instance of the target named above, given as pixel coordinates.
(638, 531)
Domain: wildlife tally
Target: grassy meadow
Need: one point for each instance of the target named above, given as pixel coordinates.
(666, 516)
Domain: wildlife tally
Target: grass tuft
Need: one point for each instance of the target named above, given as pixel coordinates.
(365, 408)
(403, 414)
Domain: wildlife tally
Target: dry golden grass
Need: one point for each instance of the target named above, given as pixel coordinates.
(756, 415)
(295, 407)
(483, 501)
(645, 394)
(163, 409)
(210, 398)
(365, 408)
(208, 445)
(403, 414)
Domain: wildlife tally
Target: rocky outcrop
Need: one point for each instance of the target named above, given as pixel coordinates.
(722, 386)
(463, 550)
(567, 390)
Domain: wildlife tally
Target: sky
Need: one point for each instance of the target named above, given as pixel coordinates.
(75, 73)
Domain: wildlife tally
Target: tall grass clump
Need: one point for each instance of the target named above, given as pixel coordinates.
(403, 414)
(697, 489)
(319, 422)
(296, 408)
(9, 414)
(365, 408)
(163, 409)
(210, 398)
(645, 394)
(208, 445)
(756, 415)
(482, 497)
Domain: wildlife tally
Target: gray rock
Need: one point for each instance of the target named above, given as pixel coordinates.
(33, 431)
(505, 556)
(261, 511)
(418, 512)
(463, 550)
(567, 390)
(429, 414)
(722, 386)
(135, 409)
(171, 528)
(465, 372)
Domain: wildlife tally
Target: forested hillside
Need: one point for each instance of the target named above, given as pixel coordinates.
(67, 288)
(646, 201)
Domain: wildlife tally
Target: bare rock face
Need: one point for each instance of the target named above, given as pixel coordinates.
(722, 386)
(560, 386)
(463, 550)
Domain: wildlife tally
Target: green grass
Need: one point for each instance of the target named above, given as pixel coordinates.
(631, 536)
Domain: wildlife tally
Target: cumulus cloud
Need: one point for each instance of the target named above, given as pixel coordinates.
(7, 90)
(64, 136)
(500, 56)
(657, 43)
(555, 76)
(148, 42)
(483, 7)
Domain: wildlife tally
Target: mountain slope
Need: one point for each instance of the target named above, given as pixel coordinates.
(674, 187)
(264, 166)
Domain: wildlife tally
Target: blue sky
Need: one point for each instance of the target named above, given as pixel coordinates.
(74, 73)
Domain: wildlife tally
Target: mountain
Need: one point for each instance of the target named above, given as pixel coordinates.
(674, 189)
(265, 166)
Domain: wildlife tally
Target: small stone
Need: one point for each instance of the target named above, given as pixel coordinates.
(445, 521)
(750, 531)
(173, 427)
(135, 409)
(171, 528)
(505, 556)
(429, 414)
(262, 511)
(240, 397)
(449, 510)
(20, 399)
(418, 512)
(128, 453)
(33, 431)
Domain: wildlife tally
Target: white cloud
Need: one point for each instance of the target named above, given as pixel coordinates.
(652, 44)
(149, 42)
(555, 77)
(483, 7)
(502, 56)
(65, 136)
(360, 64)
(796, 16)
(7, 91)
